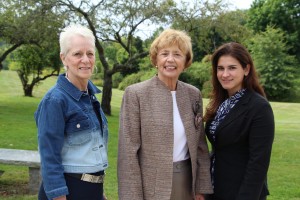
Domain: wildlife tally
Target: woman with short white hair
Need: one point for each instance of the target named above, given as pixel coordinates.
(72, 128)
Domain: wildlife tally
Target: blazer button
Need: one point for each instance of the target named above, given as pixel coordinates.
(78, 125)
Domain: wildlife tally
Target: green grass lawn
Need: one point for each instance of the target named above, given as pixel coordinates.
(18, 131)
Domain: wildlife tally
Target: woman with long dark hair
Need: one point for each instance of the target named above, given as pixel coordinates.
(239, 125)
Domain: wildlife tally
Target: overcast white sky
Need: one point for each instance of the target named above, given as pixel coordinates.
(240, 4)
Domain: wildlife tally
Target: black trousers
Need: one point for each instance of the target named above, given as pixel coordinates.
(210, 197)
(78, 190)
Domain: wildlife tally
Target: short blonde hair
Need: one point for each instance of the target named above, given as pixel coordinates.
(171, 37)
(70, 31)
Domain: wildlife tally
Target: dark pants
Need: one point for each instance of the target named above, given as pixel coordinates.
(78, 190)
(210, 197)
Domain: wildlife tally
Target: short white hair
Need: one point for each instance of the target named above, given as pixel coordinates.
(70, 31)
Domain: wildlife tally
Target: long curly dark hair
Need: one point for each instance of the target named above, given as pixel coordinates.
(250, 82)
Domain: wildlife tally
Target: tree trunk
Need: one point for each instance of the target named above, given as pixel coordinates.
(107, 93)
(28, 90)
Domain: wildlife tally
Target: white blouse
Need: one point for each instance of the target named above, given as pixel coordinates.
(180, 148)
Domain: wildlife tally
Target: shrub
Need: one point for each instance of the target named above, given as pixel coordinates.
(136, 78)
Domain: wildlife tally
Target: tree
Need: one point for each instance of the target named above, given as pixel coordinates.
(283, 14)
(276, 67)
(117, 21)
(25, 22)
(210, 25)
(32, 27)
(37, 63)
(11, 26)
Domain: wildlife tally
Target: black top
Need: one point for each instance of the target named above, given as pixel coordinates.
(243, 150)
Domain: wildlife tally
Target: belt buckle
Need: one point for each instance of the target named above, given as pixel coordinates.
(92, 178)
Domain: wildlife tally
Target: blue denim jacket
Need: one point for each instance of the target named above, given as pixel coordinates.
(69, 135)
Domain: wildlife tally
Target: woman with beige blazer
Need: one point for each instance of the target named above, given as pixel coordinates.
(162, 151)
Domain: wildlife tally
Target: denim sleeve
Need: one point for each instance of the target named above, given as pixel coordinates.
(51, 124)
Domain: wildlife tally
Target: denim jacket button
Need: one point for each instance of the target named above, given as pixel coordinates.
(95, 149)
(78, 125)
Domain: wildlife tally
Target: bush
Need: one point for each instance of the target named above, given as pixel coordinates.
(198, 73)
(98, 82)
(117, 79)
(129, 80)
(136, 78)
(206, 89)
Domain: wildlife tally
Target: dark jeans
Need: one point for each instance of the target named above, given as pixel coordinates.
(78, 190)
(210, 197)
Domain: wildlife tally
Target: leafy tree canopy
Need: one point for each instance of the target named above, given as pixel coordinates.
(283, 14)
(276, 67)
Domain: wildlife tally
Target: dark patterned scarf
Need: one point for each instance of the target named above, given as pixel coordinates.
(222, 112)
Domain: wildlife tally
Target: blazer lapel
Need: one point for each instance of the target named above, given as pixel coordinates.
(236, 111)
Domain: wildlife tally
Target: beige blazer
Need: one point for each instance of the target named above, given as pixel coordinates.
(146, 135)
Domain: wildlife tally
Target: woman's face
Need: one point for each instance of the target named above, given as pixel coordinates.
(170, 63)
(80, 59)
(230, 74)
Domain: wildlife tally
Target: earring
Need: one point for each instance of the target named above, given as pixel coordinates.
(95, 69)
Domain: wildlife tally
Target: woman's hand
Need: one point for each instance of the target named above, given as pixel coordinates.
(199, 197)
(104, 197)
(60, 198)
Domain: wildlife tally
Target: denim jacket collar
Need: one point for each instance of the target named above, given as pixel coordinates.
(73, 91)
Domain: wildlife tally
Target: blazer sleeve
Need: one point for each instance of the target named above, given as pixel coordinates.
(203, 180)
(129, 173)
(261, 136)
